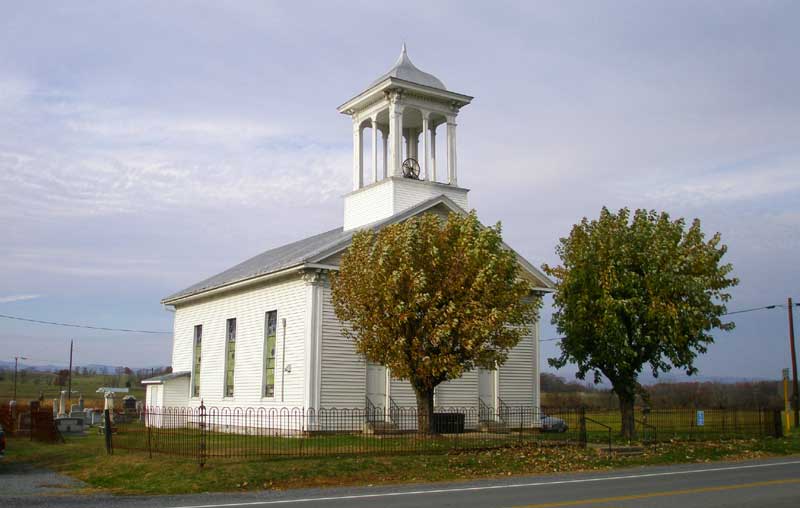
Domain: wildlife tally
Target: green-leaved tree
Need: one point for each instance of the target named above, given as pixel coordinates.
(431, 299)
(634, 292)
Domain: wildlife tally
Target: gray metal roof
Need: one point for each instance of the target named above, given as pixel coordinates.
(166, 377)
(317, 248)
(407, 71)
(273, 260)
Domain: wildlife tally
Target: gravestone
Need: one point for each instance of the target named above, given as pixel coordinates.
(62, 404)
(70, 425)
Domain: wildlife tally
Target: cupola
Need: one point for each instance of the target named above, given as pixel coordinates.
(406, 107)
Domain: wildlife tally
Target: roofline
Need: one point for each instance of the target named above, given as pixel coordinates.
(159, 380)
(313, 259)
(410, 85)
(421, 207)
(255, 279)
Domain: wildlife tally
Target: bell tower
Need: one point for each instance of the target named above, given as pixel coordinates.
(406, 106)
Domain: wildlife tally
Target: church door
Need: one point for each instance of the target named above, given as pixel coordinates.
(376, 389)
(486, 393)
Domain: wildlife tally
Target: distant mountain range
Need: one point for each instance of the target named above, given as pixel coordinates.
(99, 368)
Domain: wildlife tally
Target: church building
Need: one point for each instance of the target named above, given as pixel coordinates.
(263, 334)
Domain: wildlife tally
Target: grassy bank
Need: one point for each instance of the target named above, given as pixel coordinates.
(135, 473)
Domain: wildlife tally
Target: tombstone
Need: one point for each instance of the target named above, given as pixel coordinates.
(55, 408)
(93, 417)
(76, 412)
(35, 405)
(80, 403)
(62, 404)
(24, 423)
(70, 425)
(129, 403)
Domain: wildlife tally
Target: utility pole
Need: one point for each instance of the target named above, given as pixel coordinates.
(16, 364)
(795, 394)
(69, 383)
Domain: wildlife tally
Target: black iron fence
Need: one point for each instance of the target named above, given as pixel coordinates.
(204, 433)
(209, 432)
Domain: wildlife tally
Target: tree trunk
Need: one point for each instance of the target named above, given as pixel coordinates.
(424, 410)
(626, 401)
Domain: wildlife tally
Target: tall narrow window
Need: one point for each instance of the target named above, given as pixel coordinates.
(198, 348)
(270, 332)
(230, 355)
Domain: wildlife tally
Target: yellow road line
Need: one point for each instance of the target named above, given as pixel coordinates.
(660, 494)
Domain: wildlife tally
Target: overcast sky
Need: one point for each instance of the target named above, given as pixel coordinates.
(147, 145)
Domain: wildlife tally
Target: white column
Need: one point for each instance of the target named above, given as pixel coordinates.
(425, 154)
(358, 156)
(409, 145)
(452, 177)
(395, 137)
(374, 123)
(385, 137)
(433, 153)
(313, 345)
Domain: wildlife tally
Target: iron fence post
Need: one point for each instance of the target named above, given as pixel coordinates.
(202, 454)
(777, 423)
(582, 438)
(107, 423)
(149, 436)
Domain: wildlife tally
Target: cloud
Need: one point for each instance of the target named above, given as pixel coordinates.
(17, 298)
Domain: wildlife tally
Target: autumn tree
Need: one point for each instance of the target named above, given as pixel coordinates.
(634, 292)
(432, 299)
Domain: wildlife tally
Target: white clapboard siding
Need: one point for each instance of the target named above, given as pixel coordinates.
(518, 376)
(369, 204)
(344, 375)
(459, 393)
(402, 393)
(392, 195)
(408, 193)
(174, 392)
(248, 306)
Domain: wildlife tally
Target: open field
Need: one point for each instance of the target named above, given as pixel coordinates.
(32, 383)
(128, 472)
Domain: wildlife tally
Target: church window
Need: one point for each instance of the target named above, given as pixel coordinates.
(270, 332)
(230, 355)
(197, 347)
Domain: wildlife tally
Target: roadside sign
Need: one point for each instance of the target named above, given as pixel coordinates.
(701, 418)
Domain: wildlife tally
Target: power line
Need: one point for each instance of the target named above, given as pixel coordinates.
(776, 306)
(71, 325)
(754, 309)
(129, 330)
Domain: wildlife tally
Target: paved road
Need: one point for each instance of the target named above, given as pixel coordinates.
(764, 483)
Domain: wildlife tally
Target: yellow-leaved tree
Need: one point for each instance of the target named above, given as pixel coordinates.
(431, 299)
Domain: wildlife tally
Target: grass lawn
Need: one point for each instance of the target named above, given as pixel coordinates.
(129, 472)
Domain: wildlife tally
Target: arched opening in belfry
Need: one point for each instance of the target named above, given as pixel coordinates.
(438, 140)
